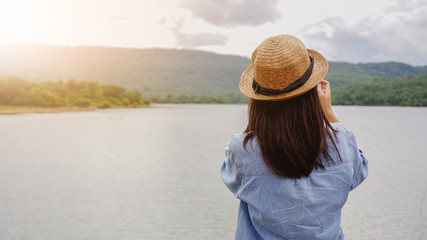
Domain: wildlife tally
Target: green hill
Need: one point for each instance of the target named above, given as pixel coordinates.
(166, 75)
(151, 71)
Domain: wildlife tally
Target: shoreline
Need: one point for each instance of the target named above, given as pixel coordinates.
(13, 110)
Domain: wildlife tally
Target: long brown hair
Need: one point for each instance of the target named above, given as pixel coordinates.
(291, 133)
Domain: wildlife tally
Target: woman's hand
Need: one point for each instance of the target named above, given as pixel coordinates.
(324, 92)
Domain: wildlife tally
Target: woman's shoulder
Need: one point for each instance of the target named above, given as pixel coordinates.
(342, 129)
(344, 145)
(237, 143)
(339, 127)
(343, 135)
(247, 155)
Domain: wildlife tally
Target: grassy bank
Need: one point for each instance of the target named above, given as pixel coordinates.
(10, 110)
(6, 110)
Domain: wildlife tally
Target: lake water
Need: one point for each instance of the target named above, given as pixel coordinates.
(153, 173)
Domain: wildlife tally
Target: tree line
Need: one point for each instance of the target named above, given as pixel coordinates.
(404, 91)
(182, 98)
(15, 91)
(380, 91)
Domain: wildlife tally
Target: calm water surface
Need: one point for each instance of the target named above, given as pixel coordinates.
(153, 173)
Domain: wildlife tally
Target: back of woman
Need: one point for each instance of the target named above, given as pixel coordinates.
(294, 165)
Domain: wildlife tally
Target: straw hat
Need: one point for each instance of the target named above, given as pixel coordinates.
(282, 68)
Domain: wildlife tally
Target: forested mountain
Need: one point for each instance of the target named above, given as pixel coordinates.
(172, 75)
(151, 71)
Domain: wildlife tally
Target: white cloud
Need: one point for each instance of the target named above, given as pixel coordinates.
(232, 13)
(398, 34)
(194, 40)
(355, 31)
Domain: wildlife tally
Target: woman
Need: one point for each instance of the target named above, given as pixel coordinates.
(294, 165)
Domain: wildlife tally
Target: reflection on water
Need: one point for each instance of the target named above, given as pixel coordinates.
(153, 173)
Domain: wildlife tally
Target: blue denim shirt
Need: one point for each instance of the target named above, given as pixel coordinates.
(273, 207)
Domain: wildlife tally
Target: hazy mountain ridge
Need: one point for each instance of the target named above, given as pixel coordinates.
(163, 71)
(152, 71)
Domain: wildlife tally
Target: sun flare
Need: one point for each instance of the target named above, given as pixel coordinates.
(14, 24)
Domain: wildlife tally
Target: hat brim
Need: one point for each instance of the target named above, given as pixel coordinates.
(320, 69)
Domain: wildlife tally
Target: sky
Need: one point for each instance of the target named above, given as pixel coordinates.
(342, 30)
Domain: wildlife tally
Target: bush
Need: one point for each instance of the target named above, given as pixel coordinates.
(147, 102)
(125, 102)
(83, 102)
(104, 104)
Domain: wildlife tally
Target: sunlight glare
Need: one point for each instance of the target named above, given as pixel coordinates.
(19, 23)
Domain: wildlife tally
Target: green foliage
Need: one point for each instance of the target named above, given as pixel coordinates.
(12, 88)
(113, 91)
(146, 102)
(404, 91)
(229, 98)
(83, 102)
(104, 104)
(17, 92)
(40, 96)
(134, 98)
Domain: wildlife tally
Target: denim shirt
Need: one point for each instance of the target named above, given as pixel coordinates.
(273, 207)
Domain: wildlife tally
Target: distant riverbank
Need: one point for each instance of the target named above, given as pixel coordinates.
(11, 110)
